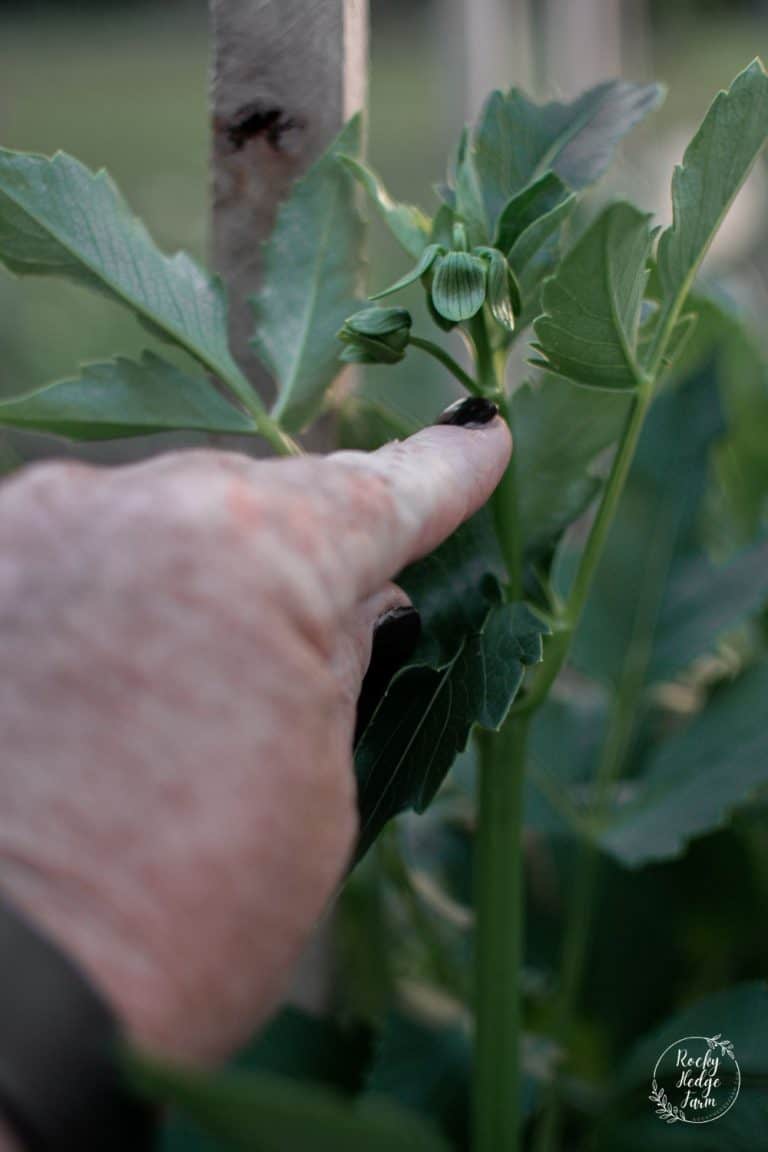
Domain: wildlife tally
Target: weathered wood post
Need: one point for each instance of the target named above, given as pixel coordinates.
(286, 75)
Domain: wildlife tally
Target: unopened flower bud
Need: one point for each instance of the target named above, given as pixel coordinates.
(376, 336)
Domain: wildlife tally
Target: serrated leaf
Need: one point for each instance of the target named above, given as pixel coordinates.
(516, 141)
(715, 165)
(312, 268)
(57, 218)
(428, 713)
(589, 331)
(695, 781)
(537, 200)
(124, 398)
(251, 1112)
(407, 223)
(455, 586)
(458, 288)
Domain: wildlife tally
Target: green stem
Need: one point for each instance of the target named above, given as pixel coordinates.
(499, 906)
(586, 871)
(499, 938)
(504, 503)
(608, 505)
(557, 649)
(486, 366)
(265, 425)
(506, 513)
(448, 362)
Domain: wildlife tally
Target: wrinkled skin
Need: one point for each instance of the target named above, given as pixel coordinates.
(181, 649)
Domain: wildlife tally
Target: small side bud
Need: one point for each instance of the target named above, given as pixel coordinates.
(376, 336)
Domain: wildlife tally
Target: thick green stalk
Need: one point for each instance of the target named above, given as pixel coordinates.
(506, 515)
(499, 902)
(585, 877)
(559, 646)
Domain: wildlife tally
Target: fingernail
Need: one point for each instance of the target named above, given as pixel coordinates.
(470, 412)
(395, 637)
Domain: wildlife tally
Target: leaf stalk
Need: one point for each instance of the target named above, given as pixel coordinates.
(447, 361)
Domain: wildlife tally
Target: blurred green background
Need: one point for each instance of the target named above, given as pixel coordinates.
(124, 85)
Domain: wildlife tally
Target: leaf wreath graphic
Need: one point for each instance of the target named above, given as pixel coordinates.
(670, 1113)
(725, 1046)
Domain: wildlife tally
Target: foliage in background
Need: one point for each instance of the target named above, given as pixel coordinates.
(651, 740)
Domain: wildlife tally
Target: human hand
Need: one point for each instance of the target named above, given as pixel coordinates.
(182, 644)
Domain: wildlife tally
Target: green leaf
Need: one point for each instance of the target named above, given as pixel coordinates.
(696, 780)
(376, 335)
(589, 332)
(503, 293)
(535, 255)
(703, 601)
(739, 1014)
(425, 1067)
(516, 141)
(428, 257)
(741, 460)
(559, 433)
(306, 1047)
(124, 398)
(426, 717)
(442, 227)
(528, 206)
(455, 586)
(57, 218)
(564, 749)
(249, 1112)
(407, 223)
(715, 165)
(458, 289)
(312, 271)
(658, 600)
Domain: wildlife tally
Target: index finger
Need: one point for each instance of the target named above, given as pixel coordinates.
(397, 504)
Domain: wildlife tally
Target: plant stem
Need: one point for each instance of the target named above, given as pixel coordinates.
(266, 426)
(499, 905)
(499, 938)
(486, 366)
(448, 362)
(505, 508)
(559, 646)
(504, 503)
(586, 871)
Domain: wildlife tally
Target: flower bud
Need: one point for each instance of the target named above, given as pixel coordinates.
(376, 336)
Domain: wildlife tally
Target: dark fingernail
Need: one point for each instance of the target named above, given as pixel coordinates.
(471, 412)
(395, 637)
